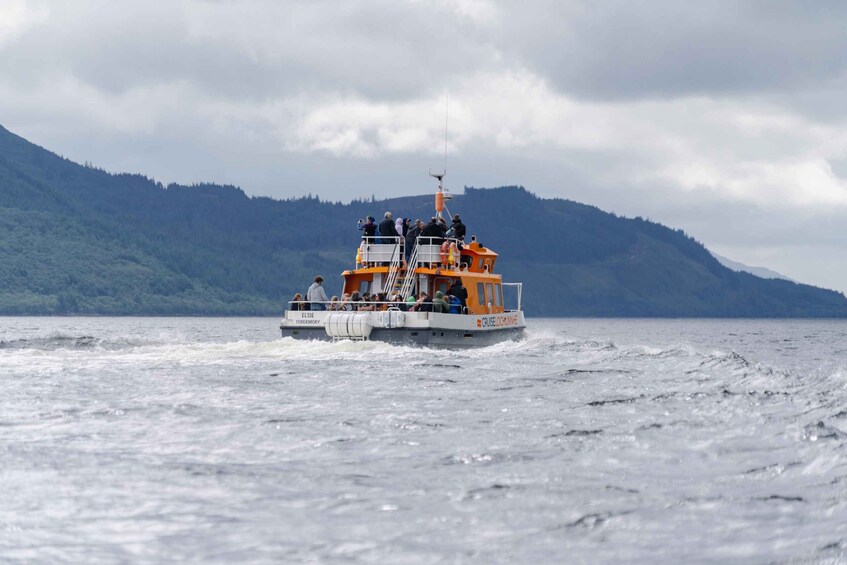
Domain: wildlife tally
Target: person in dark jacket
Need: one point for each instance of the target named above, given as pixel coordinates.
(387, 232)
(459, 229)
(411, 238)
(435, 231)
(459, 291)
(369, 230)
(423, 304)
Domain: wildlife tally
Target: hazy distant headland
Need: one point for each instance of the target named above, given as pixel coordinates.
(78, 240)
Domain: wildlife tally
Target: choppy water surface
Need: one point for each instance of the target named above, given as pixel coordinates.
(589, 441)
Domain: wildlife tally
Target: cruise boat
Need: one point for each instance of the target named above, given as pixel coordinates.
(433, 266)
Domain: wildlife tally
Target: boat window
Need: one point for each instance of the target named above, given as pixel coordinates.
(442, 286)
(479, 265)
(480, 293)
(365, 287)
(498, 295)
(490, 291)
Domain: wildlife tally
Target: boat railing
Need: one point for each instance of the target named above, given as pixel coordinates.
(379, 250)
(519, 287)
(359, 306)
(429, 251)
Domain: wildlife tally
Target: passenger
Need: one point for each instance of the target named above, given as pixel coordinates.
(397, 302)
(407, 225)
(411, 238)
(455, 304)
(381, 301)
(355, 301)
(334, 304)
(297, 302)
(459, 291)
(345, 305)
(369, 230)
(423, 304)
(442, 227)
(439, 304)
(387, 232)
(410, 303)
(316, 294)
(432, 233)
(459, 229)
(398, 227)
(366, 304)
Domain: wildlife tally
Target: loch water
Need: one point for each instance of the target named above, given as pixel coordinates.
(589, 441)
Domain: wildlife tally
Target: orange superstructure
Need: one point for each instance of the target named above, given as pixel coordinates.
(434, 266)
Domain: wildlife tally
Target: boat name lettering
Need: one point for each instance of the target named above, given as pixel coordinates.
(304, 322)
(307, 315)
(497, 321)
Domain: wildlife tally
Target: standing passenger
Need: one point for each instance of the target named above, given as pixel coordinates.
(369, 230)
(459, 229)
(459, 291)
(316, 294)
(387, 232)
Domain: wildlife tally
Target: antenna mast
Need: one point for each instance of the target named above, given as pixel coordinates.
(442, 194)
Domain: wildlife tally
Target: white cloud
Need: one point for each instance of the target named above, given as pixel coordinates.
(16, 17)
(736, 148)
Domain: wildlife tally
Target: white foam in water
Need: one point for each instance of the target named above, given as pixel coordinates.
(161, 439)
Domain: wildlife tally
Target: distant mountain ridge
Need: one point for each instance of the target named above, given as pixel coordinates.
(79, 240)
(762, 272)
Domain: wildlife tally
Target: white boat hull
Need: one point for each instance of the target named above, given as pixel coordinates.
(418, 328)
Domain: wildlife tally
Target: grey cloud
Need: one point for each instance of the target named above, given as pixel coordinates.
(628, 49)
(381, 50)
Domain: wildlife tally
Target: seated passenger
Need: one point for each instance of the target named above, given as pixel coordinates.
(423, 304)
(397, 302)
(297, 302)
(334, 304)
(439, 304)
(366, 303)
(455, 304)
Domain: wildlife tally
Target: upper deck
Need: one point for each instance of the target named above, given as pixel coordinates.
(433, 265)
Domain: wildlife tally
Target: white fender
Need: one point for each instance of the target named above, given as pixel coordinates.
(348, 325)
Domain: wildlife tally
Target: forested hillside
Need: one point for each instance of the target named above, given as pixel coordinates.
(75, 239)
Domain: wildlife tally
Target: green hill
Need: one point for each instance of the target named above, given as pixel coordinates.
(78, 240)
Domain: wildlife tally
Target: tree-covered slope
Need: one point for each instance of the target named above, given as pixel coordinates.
(75, 239)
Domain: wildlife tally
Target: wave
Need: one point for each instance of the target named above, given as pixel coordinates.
(61, 341)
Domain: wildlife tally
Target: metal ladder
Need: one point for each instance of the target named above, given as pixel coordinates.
(393, 269)
(409, 278)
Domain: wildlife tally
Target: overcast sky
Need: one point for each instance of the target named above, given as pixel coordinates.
(723, 118)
